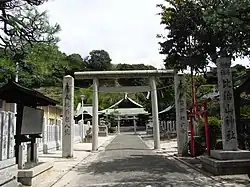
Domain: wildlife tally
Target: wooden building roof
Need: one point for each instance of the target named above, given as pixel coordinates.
(16, 93)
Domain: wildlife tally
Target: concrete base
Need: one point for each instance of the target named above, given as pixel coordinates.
(230, 155)
(225, 167)
(25, 176)
(8, 173)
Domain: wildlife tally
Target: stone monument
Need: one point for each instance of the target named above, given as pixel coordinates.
(230, 160)
(68, 117)
(181, 114)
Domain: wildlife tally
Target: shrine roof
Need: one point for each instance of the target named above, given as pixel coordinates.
(16, 93)
(167, 110)
(126, 102)
(125, 111)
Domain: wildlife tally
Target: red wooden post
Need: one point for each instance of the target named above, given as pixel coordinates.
(192, 135)
(206, 128)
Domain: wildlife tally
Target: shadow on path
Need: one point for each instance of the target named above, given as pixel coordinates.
(153, 164)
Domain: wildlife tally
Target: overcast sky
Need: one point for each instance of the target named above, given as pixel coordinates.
(126, 29)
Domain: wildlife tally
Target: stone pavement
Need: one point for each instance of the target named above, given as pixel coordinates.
(62, 165)
(169, 149)
(127, 161)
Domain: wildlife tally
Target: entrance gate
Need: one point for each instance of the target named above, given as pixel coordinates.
(68, 103)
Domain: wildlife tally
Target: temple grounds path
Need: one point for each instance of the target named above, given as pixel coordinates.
(128, 162)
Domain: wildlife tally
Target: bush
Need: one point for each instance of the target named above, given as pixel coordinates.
(199, 146)
(214, 126)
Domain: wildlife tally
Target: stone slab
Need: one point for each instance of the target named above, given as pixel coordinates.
(25, 176)
(11, 183)
(225, 167)
(7, 163)
(8, 174)
(230, 155)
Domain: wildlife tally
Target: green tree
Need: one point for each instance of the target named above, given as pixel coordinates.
(200, 31)
(133, 81)
(75, 63)
(98, 60)
(49, 66)
(23, 26)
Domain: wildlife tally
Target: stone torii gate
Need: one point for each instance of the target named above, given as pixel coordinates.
(68, 103)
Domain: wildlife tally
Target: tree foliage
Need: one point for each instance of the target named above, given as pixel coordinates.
(98, 60)
(200, 31)
(22, 24)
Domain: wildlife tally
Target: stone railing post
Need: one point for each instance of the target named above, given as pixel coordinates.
(45, 136)
(11, 134)
(57, 136)
(4, 136)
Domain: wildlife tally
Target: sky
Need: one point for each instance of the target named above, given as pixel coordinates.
(126, 29)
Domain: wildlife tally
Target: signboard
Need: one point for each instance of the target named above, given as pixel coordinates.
(32, 122)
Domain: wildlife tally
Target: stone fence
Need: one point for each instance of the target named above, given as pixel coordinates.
(166, 127)
(51, 136)
(8, 167)
(51, 140)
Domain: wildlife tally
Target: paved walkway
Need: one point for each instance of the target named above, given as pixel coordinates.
(82, 151)
(127, 161)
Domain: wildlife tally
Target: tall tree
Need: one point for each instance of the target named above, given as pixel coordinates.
(98, 60)
(23, 26)
(132, 81)
(200, 31)
(75, 63)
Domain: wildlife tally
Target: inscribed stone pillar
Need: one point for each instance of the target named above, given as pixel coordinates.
(181, 113)
(95, 121)
(68, 117)
(227, 110)
(11, 134)
(154, 101)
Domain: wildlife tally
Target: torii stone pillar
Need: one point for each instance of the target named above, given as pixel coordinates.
(95, 122)
(68, 117)
(154, 101)
(227, 110)
(181, 113)
(96, 75)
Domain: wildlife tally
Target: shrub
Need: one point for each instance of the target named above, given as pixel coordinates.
(199, 146)
(214, 126)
